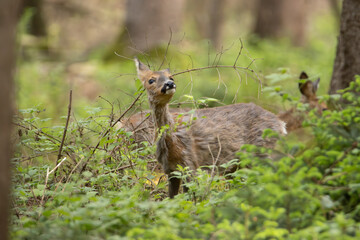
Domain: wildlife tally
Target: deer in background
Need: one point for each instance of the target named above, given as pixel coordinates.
(294, 118)
(214, 134)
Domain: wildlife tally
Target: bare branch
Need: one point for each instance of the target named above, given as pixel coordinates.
(167, 49)
(107, 131)
(66, 127)
(210, 67)
(47, 178)
(241, 48)
(123, 56)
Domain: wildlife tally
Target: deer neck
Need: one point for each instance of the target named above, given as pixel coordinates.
(162, 115)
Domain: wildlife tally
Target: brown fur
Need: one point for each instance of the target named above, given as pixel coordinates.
(294, 118)
(142, 125)
(212, 138)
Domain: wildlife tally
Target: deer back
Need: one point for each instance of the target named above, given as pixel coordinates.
(218, 133)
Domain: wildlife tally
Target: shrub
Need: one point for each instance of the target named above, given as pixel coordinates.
(311, 192)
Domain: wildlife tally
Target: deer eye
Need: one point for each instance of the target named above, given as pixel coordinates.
(151, 81)
(171, 78)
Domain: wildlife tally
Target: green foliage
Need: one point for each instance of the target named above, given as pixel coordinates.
(309, 193)
(108, 187)
(46, 83)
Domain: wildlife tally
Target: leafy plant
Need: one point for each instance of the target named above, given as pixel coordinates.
(300, 192)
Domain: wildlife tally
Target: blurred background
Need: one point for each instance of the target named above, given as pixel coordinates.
(88, 46)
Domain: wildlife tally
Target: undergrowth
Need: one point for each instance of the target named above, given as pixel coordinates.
(104, 186)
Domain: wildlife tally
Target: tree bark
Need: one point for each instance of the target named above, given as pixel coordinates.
(209, 17)
(281, 18)
(347, 60)
(37, 22)
(216, 22)
(148, 23)
(335, 7)
(8, 20)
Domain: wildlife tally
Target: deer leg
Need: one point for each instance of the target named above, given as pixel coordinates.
(185, 189)
(174, 186)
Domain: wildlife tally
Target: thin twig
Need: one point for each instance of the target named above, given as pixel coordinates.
(167, 49)
(223, 66)
(209, 67)
(126, 166)
(65, 129)
(241, 48)
(123, 56)
(215, 162)
(106, 132)
(50, 138)
(47, 178)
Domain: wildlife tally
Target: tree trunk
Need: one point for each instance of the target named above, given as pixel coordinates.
(209, 17)
(37, 21)
(8, 19)
(216, 22)
(335, 7)
(148, 24)
(347, 60)
(281, 18)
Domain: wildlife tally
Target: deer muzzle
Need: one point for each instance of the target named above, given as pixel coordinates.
(169, 85)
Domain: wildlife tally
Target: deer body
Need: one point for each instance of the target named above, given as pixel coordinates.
(216, 135)
(142, 125)
(212, 138)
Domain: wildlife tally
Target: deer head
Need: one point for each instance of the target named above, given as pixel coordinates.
(159, 85)
(308, 90)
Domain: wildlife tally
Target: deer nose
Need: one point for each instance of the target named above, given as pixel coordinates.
(170, 85)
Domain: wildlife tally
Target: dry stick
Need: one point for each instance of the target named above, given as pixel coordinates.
(47, 178)
(217, 66)
(50, 138)
(237, 90)
(123, 56)
(214, 164)
(136, 128)
(223, 66)
(106, 132)
(65, 130)
(167, 48)
(125, 167)
(240, 51)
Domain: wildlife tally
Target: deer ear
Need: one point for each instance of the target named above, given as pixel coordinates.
(316, 85)
(141, 68)
(307, 89)
(303, 75)
(167, 70)
(304, 86)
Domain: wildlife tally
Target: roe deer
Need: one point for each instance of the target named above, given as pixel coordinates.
(294, 118)
(142, 126)
(212, 138)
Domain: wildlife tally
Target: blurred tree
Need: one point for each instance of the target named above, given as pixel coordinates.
(209, 18)
(335, 7)
(37, 22)
(148, 24)
(8, 20)
(281, 18)
(347, 60)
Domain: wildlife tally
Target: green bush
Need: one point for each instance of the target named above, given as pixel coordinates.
(309, 193)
